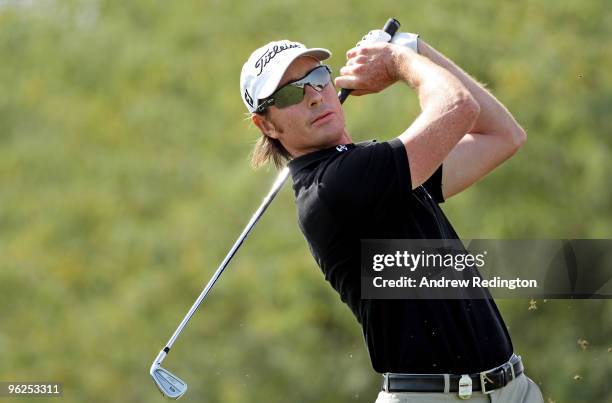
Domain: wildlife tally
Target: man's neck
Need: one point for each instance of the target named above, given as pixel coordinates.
(345, 139)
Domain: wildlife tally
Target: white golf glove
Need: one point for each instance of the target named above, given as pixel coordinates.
(405, 39)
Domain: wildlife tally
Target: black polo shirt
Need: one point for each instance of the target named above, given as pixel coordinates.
(363, 191)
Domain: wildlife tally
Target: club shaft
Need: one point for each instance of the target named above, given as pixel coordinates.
(282, 176)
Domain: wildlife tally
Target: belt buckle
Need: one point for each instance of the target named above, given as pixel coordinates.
(483, 378)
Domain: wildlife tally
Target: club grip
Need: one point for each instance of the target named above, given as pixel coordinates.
(391, 27)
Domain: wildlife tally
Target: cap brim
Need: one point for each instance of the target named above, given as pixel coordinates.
(318, 53)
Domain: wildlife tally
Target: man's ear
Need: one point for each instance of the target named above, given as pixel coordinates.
(265, 125)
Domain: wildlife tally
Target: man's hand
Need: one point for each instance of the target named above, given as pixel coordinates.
(372, 67)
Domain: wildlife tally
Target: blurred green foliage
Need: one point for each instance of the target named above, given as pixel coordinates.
(125, 179)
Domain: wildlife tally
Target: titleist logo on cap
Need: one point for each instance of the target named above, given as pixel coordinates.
(271, 53)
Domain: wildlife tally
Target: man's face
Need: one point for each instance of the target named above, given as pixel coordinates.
(315, 123)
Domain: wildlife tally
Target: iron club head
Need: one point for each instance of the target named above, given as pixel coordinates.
(169, 384)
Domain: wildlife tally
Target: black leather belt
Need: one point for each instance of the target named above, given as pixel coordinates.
(485, 381)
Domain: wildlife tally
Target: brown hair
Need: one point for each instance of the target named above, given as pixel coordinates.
(269, 149)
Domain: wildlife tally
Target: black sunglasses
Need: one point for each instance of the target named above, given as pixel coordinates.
(293, 92)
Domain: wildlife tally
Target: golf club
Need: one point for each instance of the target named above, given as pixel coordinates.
(169, 384)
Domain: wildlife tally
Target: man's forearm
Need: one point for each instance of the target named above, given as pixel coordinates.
(449, 111)
(437, 88)
(494, 118)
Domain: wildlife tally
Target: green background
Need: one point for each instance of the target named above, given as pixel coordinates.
(124, 174)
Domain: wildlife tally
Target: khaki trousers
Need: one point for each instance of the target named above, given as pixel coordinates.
(520, 390)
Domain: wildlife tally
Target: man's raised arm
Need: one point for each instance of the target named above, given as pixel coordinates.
(449, 110)
(495, 136)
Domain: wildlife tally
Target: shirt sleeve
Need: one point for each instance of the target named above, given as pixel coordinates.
(434, 185)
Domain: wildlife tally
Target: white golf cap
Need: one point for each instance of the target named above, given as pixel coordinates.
(266, 66)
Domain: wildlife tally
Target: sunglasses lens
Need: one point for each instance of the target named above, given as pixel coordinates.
(318, 78)
(288, 95)
(293, 93)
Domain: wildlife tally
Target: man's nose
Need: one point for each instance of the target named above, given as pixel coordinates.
(313, 96)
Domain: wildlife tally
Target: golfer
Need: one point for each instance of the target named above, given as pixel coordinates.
(427, 350)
